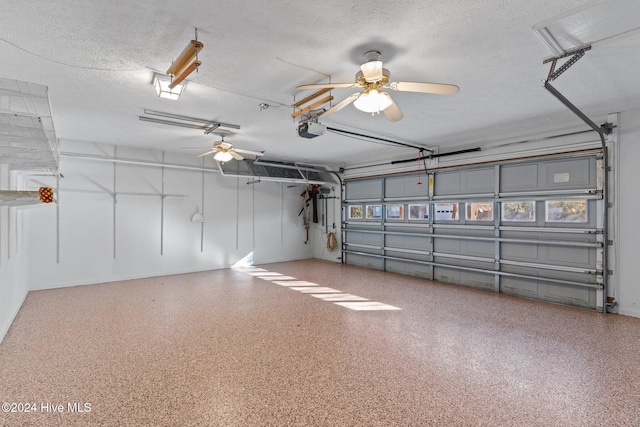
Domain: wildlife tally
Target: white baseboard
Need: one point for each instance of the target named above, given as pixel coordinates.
(120, 278)
(628, 312)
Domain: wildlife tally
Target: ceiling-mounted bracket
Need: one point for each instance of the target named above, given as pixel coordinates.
(429, 150)
(575, 55)
(607, 128)
(297, 106)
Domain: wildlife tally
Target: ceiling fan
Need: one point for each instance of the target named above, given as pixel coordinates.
(223, 152)
(372, 77)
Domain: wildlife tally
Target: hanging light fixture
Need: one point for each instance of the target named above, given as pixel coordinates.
(162, 85)
(223, 156)
(373, 101)
(186, 63)
(372, 69)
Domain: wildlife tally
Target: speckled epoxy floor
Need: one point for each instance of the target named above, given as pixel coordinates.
(225, 348)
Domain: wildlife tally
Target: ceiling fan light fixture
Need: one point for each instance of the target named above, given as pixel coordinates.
(372, 101)
(372, 71)
(223, 156)
(164, 90)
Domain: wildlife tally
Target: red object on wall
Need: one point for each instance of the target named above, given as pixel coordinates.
(46, 194)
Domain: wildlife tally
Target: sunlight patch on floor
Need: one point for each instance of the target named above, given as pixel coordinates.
(350, 301)
(294, 283)
(314, 289)
(367, 306)
(339, 297)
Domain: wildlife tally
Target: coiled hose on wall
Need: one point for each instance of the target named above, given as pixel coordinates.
(332, 241)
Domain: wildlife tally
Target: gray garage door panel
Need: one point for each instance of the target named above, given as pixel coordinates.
(367, 189)
(519, 287)
(405, 187)
(364, 261)
(519, 178)
(464, 247)
(464, 182)
(569, 174)
(407, 242)
(549, 175)
(449, 246)
(576, 257)
(465, 278)
(466, 263)
(363, 238)
(408, 268)
(581, 297)
(448, 275)
(519, 252)
(405, 255)
(479, 248)
(550, 255)
(478, 181)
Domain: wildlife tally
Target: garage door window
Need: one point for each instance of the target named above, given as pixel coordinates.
(566, 211)
(374, 212)
(447, 211)
(419, 212)
(395, 212)
(477, 211)
(519, 211)
(355, 212)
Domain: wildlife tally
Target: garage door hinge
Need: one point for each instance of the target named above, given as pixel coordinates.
(609, 272)
(610, 242)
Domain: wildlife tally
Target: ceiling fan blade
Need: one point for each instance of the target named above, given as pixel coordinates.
(340, 105)
(253, 153)
(326, 85)
(208, 152)
(392, 112)
(423, 87)
(236, 155)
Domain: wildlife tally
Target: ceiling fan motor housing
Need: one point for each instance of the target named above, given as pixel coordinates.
(361, 80)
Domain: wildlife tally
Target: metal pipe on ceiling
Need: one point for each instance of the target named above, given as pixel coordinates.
(137, 162)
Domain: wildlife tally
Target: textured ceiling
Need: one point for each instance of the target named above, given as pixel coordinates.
(98, 59)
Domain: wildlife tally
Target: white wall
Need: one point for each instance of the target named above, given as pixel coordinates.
(13, 278)
(146, 239)
(628, 241)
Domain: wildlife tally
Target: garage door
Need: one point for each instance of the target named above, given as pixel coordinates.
(531, 228)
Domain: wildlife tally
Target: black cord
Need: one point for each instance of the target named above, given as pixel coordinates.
(404, 144)
(361, 138)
